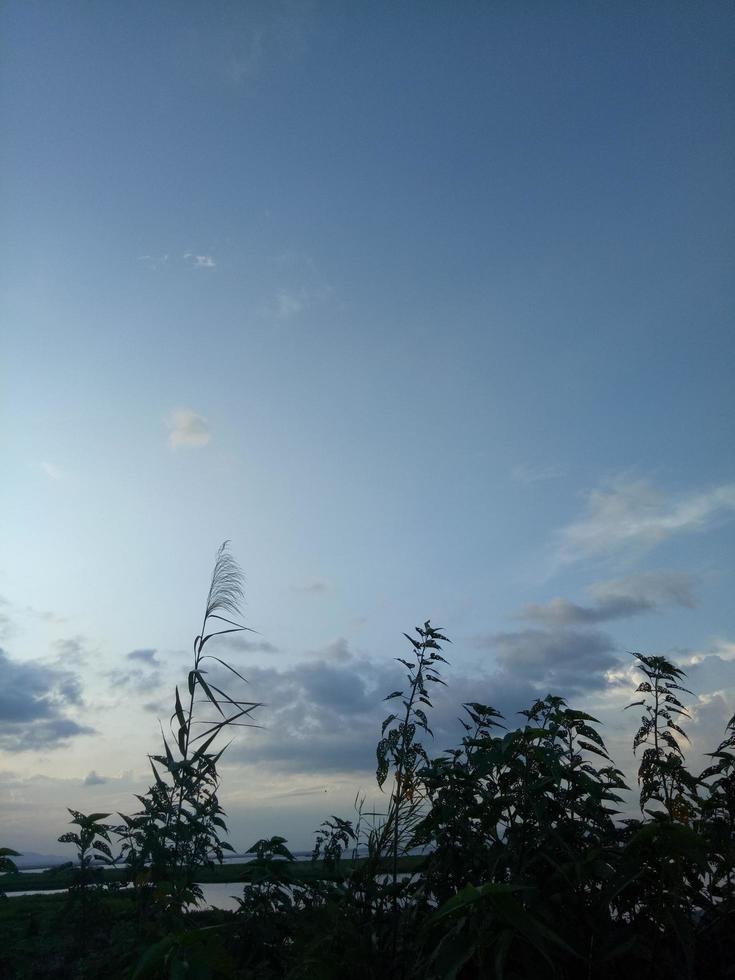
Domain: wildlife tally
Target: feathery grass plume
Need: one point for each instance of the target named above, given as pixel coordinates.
(181, 826)
(226, 588)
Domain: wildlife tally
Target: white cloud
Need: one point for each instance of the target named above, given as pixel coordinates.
(633, 514)
(154, 261)
(721, 648)
(52, 472)
(188, 429)
(290, 303)
(200, 261)
(287, 305)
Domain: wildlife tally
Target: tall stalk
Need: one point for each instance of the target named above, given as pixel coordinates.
(661, 773)
(225, 595)
(400, 748)
(181, 824)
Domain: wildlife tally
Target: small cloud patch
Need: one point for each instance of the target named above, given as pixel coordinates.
(187, 429)
(93, 779)
(238, 642)
(147, 656)
(200, 261)
(52, 471)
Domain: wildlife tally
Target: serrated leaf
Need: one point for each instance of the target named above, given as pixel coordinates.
(387, 722)
(593, 748)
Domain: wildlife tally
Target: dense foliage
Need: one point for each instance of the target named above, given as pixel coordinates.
(528, 865)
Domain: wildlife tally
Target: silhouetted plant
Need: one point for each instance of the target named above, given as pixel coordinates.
(181, 826)
(663, 863)
(399, 749)
(662, 776)
(517, 820)
(7, 866)
(527, 866)
(718, 812)
(333, 838)
(92, 842)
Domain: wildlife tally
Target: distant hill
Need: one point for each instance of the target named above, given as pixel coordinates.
(31, 859)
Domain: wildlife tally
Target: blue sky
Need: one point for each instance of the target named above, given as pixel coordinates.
(429, 310)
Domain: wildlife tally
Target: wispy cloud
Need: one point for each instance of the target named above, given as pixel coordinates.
(8, 628)
(72, 650)
(258, 38)
(237, 641)
(311, 587)
(187, 429)
(154, 261)
(200, 261)
(633, 514)
(146, 656)
(287, 305)
(155, 707)
(618, 599)
(12, 614)
(290, 303)
(52, 471)
(142, 675)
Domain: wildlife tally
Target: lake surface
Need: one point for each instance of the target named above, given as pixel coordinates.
(218, 895)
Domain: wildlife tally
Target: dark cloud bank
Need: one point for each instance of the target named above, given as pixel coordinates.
(324, 714)
(34, 700)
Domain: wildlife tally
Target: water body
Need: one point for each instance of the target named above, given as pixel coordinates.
(220, 895)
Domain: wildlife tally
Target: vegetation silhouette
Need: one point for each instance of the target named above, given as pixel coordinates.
(506, 857)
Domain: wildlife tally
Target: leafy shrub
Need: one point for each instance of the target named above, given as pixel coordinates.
(526, 864)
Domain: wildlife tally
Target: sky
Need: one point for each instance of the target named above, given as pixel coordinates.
(426, 308)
